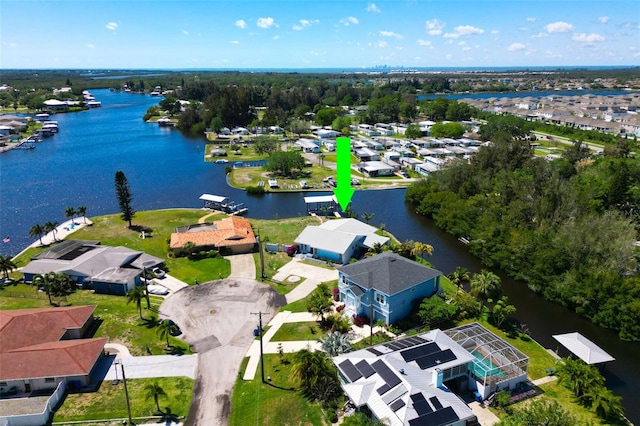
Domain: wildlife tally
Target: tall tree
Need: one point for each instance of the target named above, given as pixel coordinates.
(317, 375)
(124, 196)
(421, 248)
(154, 391)
(486, 285)
(166, 329)
(70, 212)
(82, 211)
(55, 284)
(136, 295)
(36, 231)
(6, 265)
(50, 226)
(459, 277)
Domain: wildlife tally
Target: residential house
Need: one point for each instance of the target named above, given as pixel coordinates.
(375, 169)
(54, 105)
(307, 145)
(384, 286)
(110, 270)
(231, 235)
(338, 240)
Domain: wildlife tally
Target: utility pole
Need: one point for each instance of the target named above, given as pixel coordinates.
(261, 350)
(261, 256)
(126, 394)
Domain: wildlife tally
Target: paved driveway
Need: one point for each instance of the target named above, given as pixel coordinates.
(218, 319)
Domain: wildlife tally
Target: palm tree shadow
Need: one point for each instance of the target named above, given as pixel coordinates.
(168, 417)
(149, 322)
(174, 350)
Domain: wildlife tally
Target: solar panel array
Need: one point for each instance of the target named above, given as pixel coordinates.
(420, 404)
(435, 359)
(436, 403)
(390, 378)
(364, 368)
(420, 351)
(398, 345)
(436, 418)
(375, 352)
(397, 405)
(350, 370)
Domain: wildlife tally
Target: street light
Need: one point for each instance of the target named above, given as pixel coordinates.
(126, 391)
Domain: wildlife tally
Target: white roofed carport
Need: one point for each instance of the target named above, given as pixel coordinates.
(583, 348)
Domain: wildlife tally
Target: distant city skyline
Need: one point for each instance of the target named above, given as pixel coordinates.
(238, 34)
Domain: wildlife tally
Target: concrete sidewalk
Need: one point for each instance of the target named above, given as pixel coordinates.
(62, 231)
(143, 367)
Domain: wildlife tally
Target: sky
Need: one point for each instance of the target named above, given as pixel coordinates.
(239, 34)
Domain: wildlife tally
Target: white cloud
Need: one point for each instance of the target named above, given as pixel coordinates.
(464, 30)
(276, 37)
(91, 46)
(185, 32)
(494, 32)
(540, 35)
(373, 8)
(559, 27)
(266, 23)
(382, 43)
(514, 47)
(531, 19)
(462, 43)
(240, 23)
(434, 27)
(349, 21)
(111, 26)
(304, 23)
(523, 29)
(424, 42)
(235, 42)
(466, 48)
(588, 39)
(603, 19)
(10, 44)
(390, 34)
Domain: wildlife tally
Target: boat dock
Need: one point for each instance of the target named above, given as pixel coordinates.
(223, 204)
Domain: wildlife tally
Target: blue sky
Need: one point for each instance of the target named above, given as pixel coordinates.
(242, 34)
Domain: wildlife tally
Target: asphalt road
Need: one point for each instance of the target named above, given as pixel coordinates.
(218, 319)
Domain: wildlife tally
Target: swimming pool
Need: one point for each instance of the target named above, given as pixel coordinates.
(482, 367)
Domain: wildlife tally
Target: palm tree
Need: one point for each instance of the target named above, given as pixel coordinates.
(486, 285)
(154, 391)
(6, 265)
(459, 277)
(604, 402)
(367, 217)
(36, 231)
(335, 343)
(420, 248)
(70, 212)
(50, 226)
(165, 329)
(82, 211)
(136, 295)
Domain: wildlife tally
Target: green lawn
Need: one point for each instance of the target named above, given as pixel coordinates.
(292, 331)
(112, 231)
(109, 401)
(120, 321)
(276, 403)
(244, 154)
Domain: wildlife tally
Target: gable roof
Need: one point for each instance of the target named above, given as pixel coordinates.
(583, 348)
(337, 235)
(230, 231)
(388, 273)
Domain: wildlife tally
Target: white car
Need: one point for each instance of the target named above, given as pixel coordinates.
(159, 273)
(157, 289)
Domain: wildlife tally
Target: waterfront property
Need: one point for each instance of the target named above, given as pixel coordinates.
(384, 286)
(324, 205)
(584, 348)
(417, 380)
(223, 204)
(231, 235)
(338, 240)
(109, 270)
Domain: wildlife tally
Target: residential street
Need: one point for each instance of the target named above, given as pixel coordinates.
(218, 319)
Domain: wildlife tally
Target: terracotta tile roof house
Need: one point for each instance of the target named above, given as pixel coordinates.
(46, 346)
(230, 235)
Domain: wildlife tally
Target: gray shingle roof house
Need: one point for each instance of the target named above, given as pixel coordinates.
(338, 240)
(384, 286)
(112, 270)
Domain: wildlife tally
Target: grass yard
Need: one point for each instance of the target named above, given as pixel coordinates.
(277, 403)
(251, 176)
(120, 321)
(112, 231)
(292, 331)
(109, 401)
(244, 154)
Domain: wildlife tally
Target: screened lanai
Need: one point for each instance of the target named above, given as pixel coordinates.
(496, 361)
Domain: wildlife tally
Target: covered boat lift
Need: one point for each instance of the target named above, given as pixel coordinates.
(220, 203)
(583, 348)
(323, 205)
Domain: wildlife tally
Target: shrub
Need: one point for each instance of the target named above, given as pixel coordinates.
(292, 250)
(340, 308)
(359, 321)
(255, 190)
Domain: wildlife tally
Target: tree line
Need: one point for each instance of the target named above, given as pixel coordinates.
(565, 228)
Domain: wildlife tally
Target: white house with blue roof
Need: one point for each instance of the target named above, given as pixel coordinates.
(384, 286)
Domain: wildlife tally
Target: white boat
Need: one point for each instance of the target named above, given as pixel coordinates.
(94, 104)
(273, 183)
(165, 122)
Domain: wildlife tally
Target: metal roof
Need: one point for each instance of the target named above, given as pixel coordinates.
(583, 348)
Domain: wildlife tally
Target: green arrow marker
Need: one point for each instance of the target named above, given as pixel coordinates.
(343, 191)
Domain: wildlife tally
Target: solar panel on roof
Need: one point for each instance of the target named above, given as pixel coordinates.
(416, 340)
(386, 374)
(398, 404)
(420, 404)
(373, 351)
(431, 360)
(436, 403)
(383, 389)
(419, 351)
(437, 418)
(349, 370)
(365, 368)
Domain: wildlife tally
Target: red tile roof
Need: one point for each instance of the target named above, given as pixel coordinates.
(30, 345)
(231, 231)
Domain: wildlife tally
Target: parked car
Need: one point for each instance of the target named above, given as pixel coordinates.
(175, 330)
(157, 289)
(159, 273)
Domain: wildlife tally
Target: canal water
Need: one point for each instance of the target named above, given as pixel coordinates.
(165, 169)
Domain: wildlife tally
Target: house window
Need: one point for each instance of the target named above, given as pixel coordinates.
(49, 380)
(3, 383)
(380, 298)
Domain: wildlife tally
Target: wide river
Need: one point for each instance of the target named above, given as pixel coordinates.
(165, 169)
